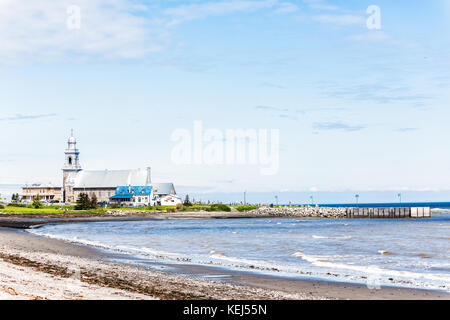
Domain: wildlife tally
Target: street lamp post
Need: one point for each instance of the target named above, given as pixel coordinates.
(357, 199)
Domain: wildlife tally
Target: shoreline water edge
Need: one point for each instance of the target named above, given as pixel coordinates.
(85, 272)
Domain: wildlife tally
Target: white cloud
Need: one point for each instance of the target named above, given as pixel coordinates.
(320, 5)
(335, 15)
(37, 30)
(286, 7)
(340, 19)
(216, 8)
(371, 36)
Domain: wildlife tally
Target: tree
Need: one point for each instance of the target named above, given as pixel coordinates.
(187, 202)
(37, 202)
(94, 202)
(15, 198)
(83, 202)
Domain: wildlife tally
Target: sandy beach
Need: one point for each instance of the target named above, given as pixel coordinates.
(41, 257)
(34, 267)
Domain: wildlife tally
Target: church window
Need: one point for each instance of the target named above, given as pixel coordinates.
(70, 160)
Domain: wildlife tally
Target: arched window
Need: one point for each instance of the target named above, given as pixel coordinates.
(70, 160)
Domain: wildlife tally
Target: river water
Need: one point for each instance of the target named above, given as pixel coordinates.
(405, 252)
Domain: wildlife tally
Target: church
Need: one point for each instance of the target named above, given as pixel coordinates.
(103, 183)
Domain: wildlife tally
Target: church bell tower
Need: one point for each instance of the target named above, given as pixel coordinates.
(72, 164)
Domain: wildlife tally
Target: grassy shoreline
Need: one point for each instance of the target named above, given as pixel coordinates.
(70, 209)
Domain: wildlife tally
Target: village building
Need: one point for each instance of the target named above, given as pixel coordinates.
(169, 200)
(47, 193)
(141, 196)
(136, 196)
(104, 183)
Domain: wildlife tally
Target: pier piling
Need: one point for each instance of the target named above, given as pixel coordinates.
(389, 213)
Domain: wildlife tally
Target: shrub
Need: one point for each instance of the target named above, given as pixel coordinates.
(94, 202)
(187, 202)
(219, 207)
(171, 209)
(200, 208)
(15, 197)
(19, 205)
(37, 202)
(246, 208)
(179, 206)
(83, 202)
(2, 206)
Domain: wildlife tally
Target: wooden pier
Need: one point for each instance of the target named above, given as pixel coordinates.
(389, 213)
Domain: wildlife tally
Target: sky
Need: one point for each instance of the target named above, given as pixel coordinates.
(357, 109)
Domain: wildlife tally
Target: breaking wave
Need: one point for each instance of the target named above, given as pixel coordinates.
(331, 237)
(386, 250)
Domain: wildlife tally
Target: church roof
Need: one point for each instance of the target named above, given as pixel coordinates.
(163, 188)
(109, 178)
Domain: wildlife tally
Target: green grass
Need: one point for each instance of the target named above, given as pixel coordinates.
(153, 208)
(131, 209)
(195, 207)
(245, 208)
(70, 209)
(43, 210)
(219, 207)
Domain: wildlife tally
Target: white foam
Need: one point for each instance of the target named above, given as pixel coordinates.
(321, 262)
(158, 252)
(119, 248)
(238, 260)
(73, 240)
(314, 265)
(337, 237)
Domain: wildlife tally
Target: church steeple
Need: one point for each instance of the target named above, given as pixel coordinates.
(72, 162)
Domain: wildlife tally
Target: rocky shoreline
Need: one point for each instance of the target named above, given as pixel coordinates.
(26, 221)
(72, 266)
(299, 212)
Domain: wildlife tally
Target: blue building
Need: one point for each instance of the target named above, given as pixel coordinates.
(133, 196)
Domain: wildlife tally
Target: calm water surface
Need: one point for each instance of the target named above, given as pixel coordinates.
(410, 253)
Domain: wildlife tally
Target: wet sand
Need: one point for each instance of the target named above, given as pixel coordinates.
(64, 262)
(324, 289)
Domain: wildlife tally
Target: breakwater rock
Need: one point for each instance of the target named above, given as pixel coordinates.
(304, 212)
